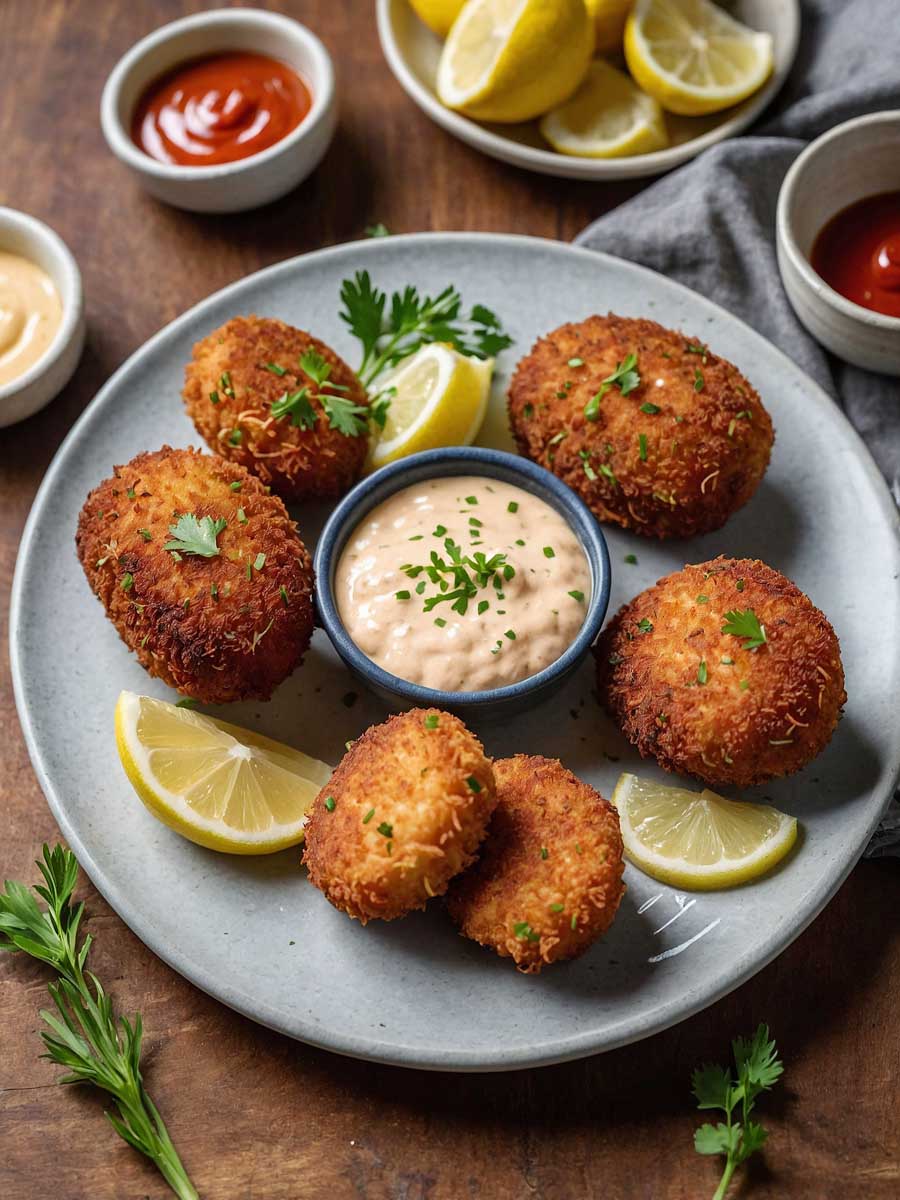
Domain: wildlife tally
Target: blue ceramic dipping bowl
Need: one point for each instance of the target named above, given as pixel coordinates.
(461, 460)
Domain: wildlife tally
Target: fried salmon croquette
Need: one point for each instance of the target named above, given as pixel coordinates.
(667, 445)
(549, 876)
(229, 614)
(725, 671)
(404, 812)
(243, 375)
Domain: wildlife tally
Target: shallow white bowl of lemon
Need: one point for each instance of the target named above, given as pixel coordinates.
(413, 54)
(37, 243)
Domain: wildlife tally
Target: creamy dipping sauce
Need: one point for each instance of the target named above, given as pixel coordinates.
(30, 315)
(463, 584)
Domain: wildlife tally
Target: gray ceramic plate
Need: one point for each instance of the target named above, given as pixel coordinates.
(412, 52)
(253, 932)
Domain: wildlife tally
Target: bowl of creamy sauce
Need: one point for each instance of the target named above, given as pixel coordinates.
(464, 578)
(41, 315)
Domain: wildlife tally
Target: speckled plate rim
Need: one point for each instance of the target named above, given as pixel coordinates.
(548, 162)
(563, 1049)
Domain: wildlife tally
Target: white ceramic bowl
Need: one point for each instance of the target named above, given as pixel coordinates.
(412, 52)
(21, 234)
(249, 182)
(852, 161)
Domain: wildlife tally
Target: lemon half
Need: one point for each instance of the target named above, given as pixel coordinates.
(438, 15)
(608, 117)
(220, 786)
(693, 57)
(511, 60)
(440, 398)
(699, 840)
(609, 17)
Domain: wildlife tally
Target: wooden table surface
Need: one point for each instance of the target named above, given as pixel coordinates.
(254, 1114)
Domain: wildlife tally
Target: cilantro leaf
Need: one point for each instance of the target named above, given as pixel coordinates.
(745, 624)
(625, 377)
(298, 407)
(193, 535)
(319, 371)
(347, 418)
(363, 311)
(759, 1058)
(714, 1139)
(710, 1085)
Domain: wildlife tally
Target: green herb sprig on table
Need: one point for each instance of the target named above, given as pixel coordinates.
(86, 1036)
(391, 332)
(757, 1069)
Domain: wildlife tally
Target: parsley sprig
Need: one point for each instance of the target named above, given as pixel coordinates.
(757, 1069)
(86, 1037)
(625, 377)
(195, 535)
(745, 624)
(391, 332)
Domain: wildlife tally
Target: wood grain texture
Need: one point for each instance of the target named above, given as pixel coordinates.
(256, 1116)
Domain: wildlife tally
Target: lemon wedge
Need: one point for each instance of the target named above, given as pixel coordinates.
(608, 117)
(440, 398)
(511, 60)
(223, 787)
(609, 17)
(693, 57)
(699, 840)
(438, 15)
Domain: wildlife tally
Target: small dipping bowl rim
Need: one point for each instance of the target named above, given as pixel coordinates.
(785, 228)
(116, 127)
(432, 464)
(66, 278)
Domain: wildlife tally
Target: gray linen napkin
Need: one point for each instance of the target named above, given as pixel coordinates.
(711, 224)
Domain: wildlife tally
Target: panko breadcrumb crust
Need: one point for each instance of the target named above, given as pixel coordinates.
(217, 629)
(297, 463)
(549, 877)
(680, 470)
(760, 714)
(403, 813)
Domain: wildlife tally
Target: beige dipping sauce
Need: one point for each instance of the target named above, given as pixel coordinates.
(471, 651)
(30, 315)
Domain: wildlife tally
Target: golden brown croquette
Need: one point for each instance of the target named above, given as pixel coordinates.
(403, 813)
(725, 671)
(238, 372)
(549, 876)
(671, 449)
(230, 626)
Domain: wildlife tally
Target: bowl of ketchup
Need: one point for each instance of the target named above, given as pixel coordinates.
(838, 240)
(222, 111)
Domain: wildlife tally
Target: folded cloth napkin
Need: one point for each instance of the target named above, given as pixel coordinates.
(711, 224)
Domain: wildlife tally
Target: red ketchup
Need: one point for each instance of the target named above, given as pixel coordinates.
(219, 109)
(858, 253)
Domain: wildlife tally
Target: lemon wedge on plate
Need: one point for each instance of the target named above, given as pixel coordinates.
(608, 117)
(438, 15)
(699, 840)
(220, 786)
(511, 60)
(693, 57)
(609, 17)
(439, 399)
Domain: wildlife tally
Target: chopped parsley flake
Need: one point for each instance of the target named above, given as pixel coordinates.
(549, 552)
(432, 721)
(474, 785)
(368, 817)
(524, 932)
(702, 672)
(577, 595)
(330, 803)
